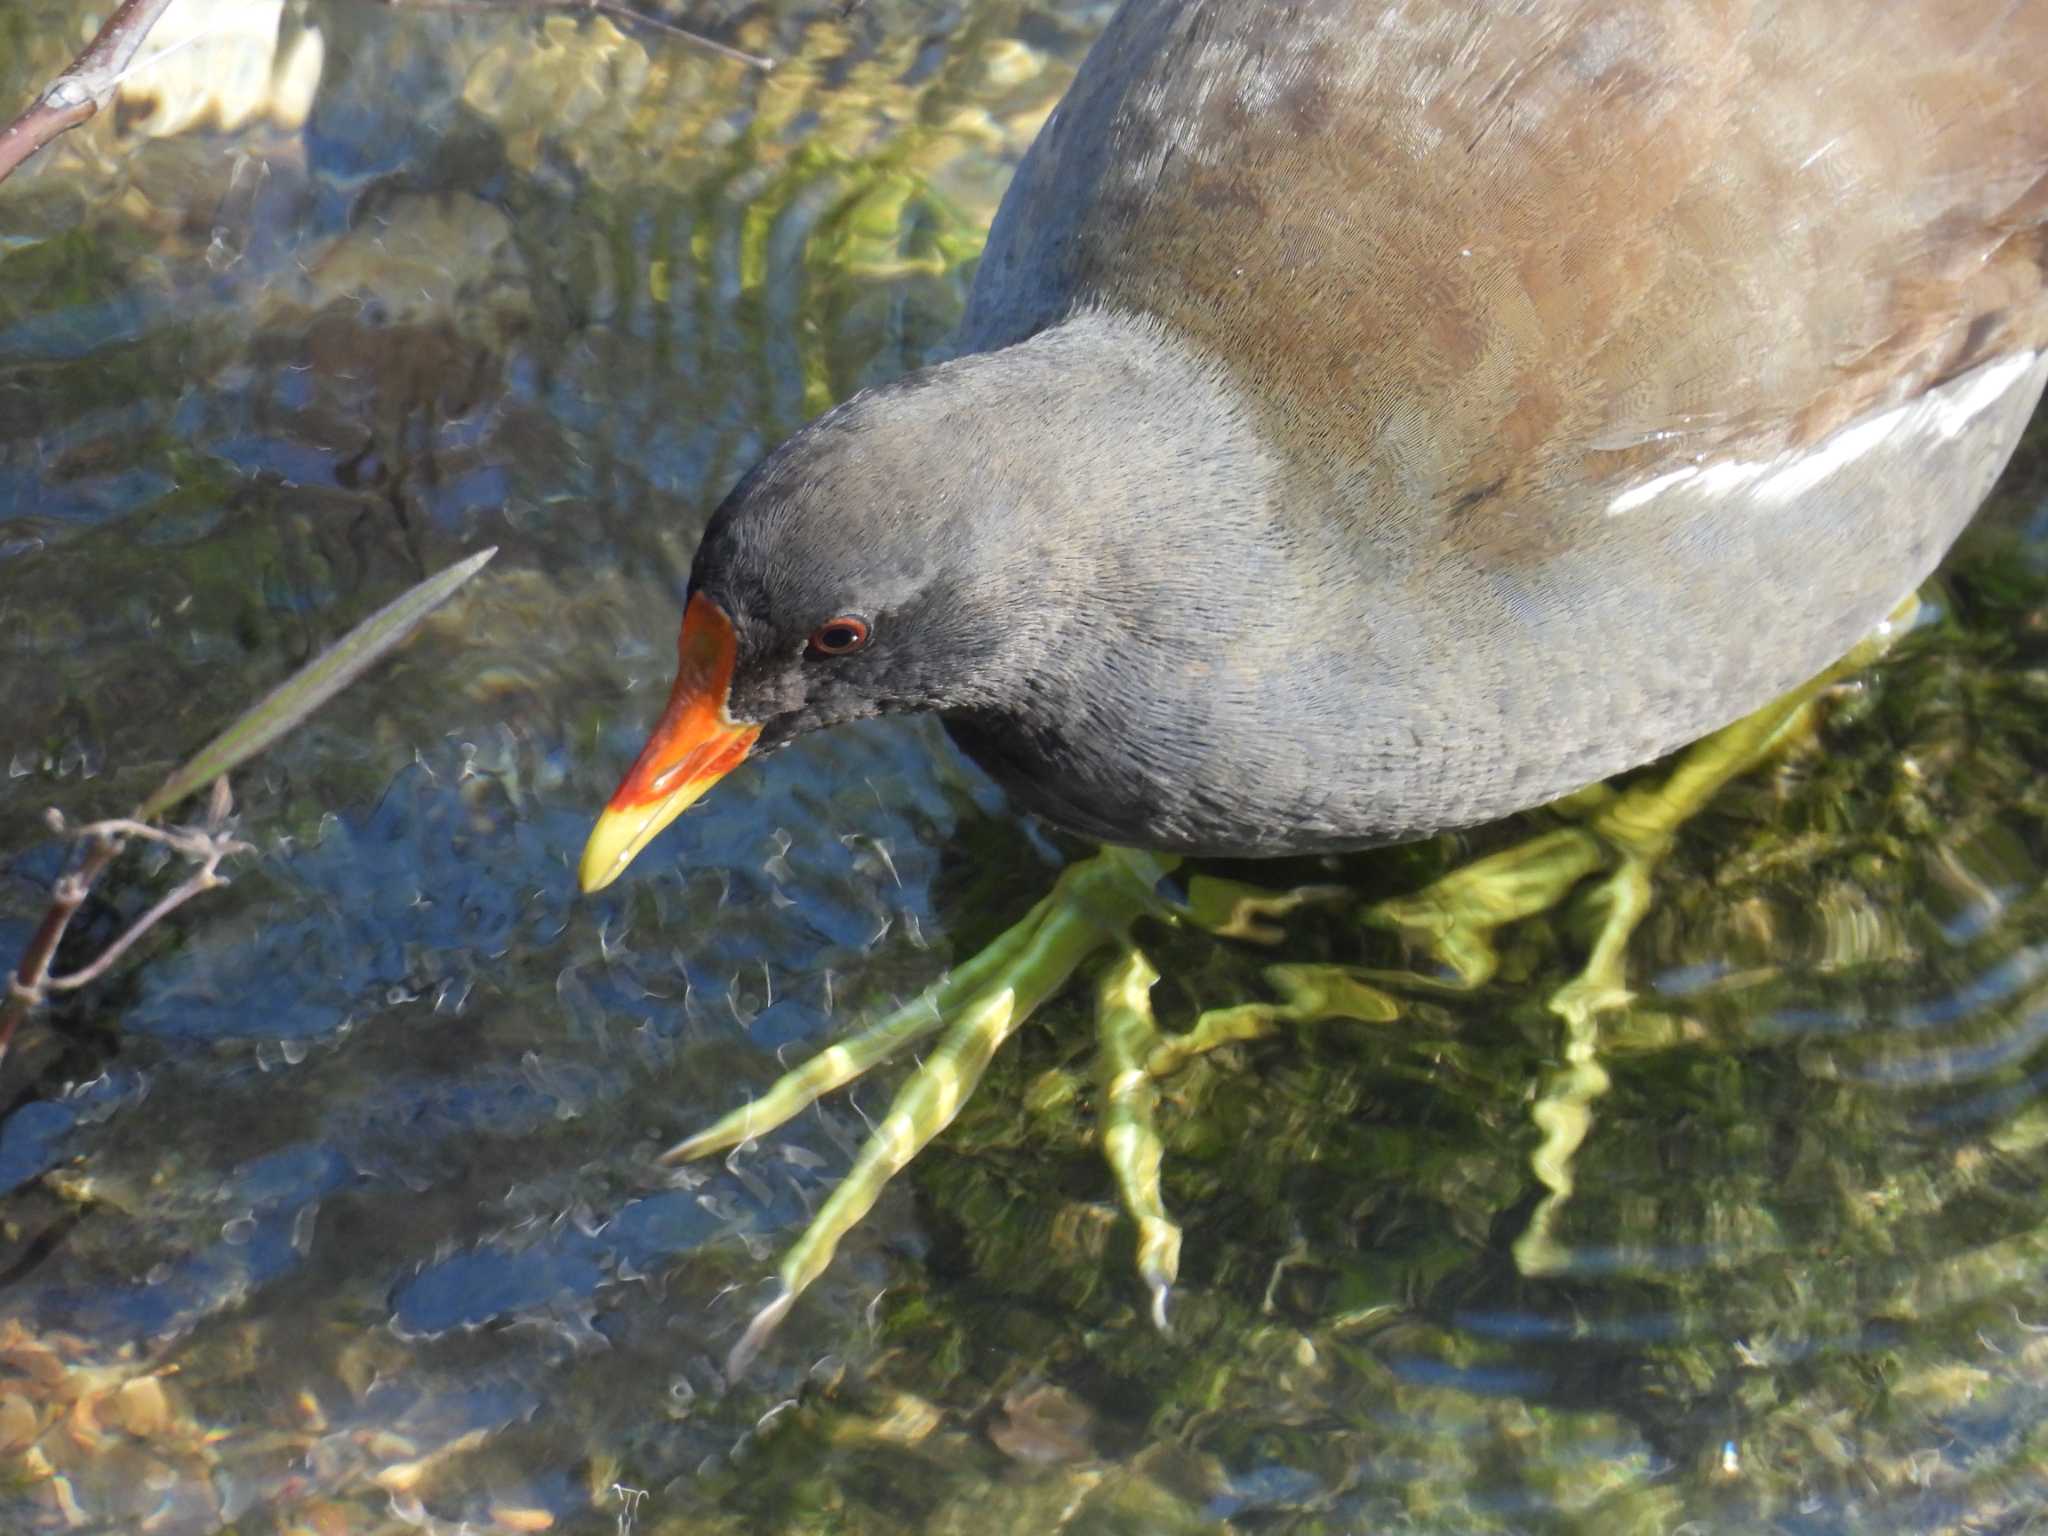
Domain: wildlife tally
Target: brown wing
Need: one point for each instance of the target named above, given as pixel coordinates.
(1484, 252)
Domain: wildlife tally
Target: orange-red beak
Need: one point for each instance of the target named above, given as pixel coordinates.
(696, 744)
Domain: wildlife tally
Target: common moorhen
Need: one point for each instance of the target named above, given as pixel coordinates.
(1380, 416)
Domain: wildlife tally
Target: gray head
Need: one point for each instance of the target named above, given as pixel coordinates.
(1031, 543)
(873, 563)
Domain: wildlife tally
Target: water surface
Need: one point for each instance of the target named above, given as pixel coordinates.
(336, 1210)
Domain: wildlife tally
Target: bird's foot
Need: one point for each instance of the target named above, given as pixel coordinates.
(1133, 1054)
(1093, 908)
(973, 1011)
(1619, 837)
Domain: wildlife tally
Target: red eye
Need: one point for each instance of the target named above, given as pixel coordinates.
(839, 637)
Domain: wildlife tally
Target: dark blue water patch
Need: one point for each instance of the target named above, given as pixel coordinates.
(294, 388)
(116, 425)
(253, 992)
(1264, 1487)
(32, 1141)
(801, 126)
(1959, 1004)
(2012, 975)
(123, 493)
(354, 914)
(14, 937)
(1931, 1068)
(679, 462)
(68, 506)
(420, 1113)
(573, 407)
(351, 138)
(495, 1281)
(470, 433)
(292, 460)
(40, 864)
(1996, 1104)
(662, 1226)
(1686, 980)
(257, 1248)
(926, 63)
(291, 1176)
(181, 1292)
(869, 816)
(786, 1023)
(485, 1284)
(485, 486)
(79, 330)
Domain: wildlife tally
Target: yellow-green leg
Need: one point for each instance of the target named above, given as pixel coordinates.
(1133, 1053)
(1626, 834)
(1092, 907)
(1126, 1036)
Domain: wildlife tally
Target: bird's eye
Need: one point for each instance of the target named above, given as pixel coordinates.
(839, 637)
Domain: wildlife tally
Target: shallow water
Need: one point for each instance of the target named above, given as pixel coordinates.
(336, 1211)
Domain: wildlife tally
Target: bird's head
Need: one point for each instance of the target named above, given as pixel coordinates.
(1026, 541)
(863, 568)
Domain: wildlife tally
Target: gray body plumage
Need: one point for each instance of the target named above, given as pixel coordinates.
(1377, 418)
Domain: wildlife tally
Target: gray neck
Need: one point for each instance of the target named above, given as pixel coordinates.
(1129, 477)
(1153, 671)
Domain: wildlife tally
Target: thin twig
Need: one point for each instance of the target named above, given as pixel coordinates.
(31, 982)
(196, 843)
(278, 712)
(26, 984)
(202, 879)
(624, 13)
(80, 92)
(206, 846)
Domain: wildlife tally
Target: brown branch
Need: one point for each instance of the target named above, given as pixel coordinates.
(31, 982)
(41, 123)
(80, 93)
(202, 879)
(611, 8)
(27, 983)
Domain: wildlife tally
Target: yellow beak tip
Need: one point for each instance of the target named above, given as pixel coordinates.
(620, 834)
(592, 877)
(613, 842)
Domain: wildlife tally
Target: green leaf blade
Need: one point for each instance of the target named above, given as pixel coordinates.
(294, 701)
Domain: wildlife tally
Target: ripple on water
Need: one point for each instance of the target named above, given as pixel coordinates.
(360, 1159)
